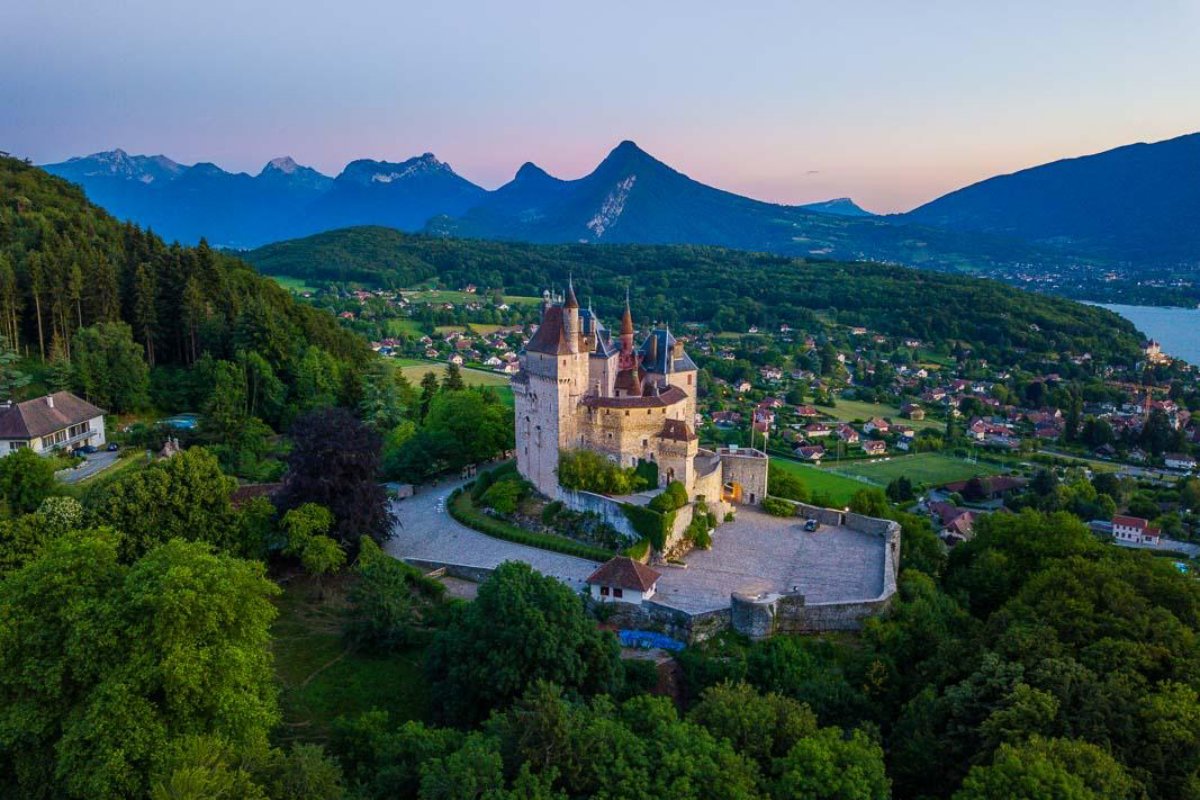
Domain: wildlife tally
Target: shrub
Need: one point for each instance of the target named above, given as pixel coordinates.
(649, 524)
(672, 498)
(777, 507)
(462, 510)
(781, 483)
(551, 512)
(638, 551)
(505, 495)
(588, 471)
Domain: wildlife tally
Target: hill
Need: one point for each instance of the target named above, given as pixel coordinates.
(66, 264)
(730, 289)
(1139, 203)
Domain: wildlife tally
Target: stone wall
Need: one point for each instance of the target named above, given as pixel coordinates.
(749, 469)
(461, 571)
(606, 507)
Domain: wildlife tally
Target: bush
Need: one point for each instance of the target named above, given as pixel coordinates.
(641, 676)
(551, 512)
(462, 510)
(505, 495)
(649, 524)
(777, 507)
(588, 471)
(638, 551)
(672, 498)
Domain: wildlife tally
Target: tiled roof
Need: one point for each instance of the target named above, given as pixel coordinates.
(40, 417)
(676, 430)
(672, 395)
(624, 573)
(550, 337)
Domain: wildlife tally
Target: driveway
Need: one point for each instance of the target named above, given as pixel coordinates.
(426, 531)
(92, 464)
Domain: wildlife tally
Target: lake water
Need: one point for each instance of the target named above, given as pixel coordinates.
(1176, 329)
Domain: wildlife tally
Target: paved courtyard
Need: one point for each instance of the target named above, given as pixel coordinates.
(428, 532)
(759, 553)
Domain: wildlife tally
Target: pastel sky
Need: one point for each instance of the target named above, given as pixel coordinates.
(887, 101)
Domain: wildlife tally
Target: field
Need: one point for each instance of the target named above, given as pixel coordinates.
(850, 410)
(450, 296)
(294, 285)
(396, 326)
(837, 488)
(931, 469)
(322, 678)
(414, 369)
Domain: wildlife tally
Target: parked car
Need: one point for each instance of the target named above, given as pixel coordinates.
(811, 525)
(86, 450)
(113, 447)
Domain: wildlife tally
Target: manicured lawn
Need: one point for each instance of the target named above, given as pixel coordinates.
(415, 369)
(450, 296)
(932, 469)
(837, 488)
(849, 410)
(296, 285)
(322, 678)
(396, 326)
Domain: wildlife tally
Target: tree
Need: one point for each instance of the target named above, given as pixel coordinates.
(183, 497)
(452, 381)
(335, 463)
(383, 599)
(173, 645)
(781, 483)
(870, 503)
(11, 378)
(109, 368)
(480, 661)
(429, 390)
(830, 766)
(900, 490)
(387, 396)
(1053, 769)
(306, 527)
(26, 479)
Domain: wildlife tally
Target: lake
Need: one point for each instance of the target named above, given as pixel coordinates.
(1176, 329)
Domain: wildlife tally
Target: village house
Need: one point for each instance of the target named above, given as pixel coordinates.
(623, 581)
(874, 447)
(847, 434)
(58, 421)
(912, 411)
(876, 425)
(1135, 530)
(1180, 461)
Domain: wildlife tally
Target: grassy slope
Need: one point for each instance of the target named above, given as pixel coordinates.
(849, 410)
(321, 678)
(838, 488)
(932, 469)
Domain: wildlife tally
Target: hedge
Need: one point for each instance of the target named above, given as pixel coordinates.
(463, 510)
(650, 524)
(777, 507)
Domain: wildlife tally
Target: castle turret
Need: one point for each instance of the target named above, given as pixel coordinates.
(627, 329)
(571, 319)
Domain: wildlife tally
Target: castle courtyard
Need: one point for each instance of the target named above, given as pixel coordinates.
(759, 553)
(754, 554)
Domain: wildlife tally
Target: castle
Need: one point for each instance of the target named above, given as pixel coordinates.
(579, 388)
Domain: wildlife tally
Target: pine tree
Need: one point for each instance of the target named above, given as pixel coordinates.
(11, 378)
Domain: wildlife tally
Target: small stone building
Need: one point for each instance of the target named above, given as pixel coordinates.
(623, 580)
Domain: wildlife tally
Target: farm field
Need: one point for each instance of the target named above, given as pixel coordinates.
(932, 469)
(837, 488)
(421, 295)
(396, 326)
(849, 410)
(294, 285)
(414, 369)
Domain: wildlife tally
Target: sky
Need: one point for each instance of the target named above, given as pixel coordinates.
(890, 102)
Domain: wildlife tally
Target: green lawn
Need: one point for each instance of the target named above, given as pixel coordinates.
(414, 369)
(849, 410)
(322, 678)
(296, 285)
(932, 469)
(450, 296)
(395, 326)
(837, 488)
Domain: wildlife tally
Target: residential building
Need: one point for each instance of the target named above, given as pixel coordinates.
(623, 580)
(58, 421)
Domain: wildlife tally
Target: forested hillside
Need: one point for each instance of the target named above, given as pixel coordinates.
(729, 288)
(67, 266)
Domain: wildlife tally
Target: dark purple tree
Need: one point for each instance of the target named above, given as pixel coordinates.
(335, 462)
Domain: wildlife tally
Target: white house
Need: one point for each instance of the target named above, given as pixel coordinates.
(623, 580)
(58, 421)
(1134, 529)
(1180, 461)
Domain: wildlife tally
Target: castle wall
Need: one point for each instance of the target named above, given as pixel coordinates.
(747, 468)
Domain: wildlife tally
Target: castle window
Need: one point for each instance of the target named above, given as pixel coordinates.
(645, 442)
(649, 411)
(627, 413)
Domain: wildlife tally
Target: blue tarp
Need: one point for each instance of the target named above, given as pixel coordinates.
(647, 640)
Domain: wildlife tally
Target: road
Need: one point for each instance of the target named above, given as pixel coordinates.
(426, 531)
(92, 464)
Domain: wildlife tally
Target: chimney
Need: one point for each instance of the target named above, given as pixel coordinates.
(50, 400)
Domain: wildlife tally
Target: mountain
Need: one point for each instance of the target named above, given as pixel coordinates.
(842, 206)
(1139, 203)
(401, 195)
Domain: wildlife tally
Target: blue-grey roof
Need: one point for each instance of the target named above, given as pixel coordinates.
(662, 362)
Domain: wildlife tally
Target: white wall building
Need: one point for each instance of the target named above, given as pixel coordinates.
(623, 580)
(59, 421)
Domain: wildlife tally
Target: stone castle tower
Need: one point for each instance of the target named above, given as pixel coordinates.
(582, 388)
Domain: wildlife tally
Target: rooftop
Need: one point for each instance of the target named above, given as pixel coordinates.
(625, 573)
(45, 415)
